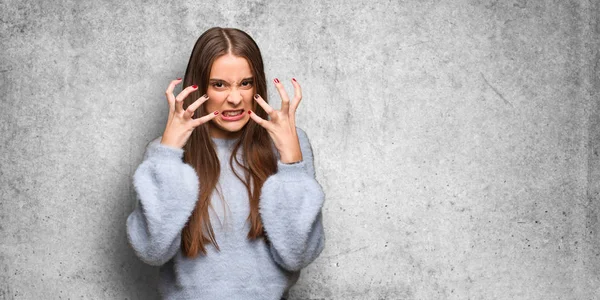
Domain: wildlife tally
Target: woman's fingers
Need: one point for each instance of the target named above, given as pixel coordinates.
(169, 93)
(179, 99)
(202, 120)
(297, 95)
(268, 109)
(285, 101)
(189, 111)
(262, 122)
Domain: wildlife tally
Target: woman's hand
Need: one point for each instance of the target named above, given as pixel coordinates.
(180, 123)
(282, 126)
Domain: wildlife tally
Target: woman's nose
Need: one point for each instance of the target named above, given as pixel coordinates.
(235, 97)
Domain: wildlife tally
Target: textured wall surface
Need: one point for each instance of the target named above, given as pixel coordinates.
(457, 141)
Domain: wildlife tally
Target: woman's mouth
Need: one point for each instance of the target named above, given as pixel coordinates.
(232, 115)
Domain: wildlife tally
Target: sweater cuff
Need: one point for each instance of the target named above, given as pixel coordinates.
(292, 172)
(161, 151)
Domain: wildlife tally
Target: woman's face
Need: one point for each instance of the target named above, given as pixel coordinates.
(230, 88)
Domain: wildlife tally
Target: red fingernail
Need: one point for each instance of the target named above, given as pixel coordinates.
(195, 86)
(276, 80)
(216, 112)
(255, 96)
(179, 78)
(294, 79)
(249, 112)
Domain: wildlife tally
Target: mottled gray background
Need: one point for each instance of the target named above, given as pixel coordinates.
(457, 141)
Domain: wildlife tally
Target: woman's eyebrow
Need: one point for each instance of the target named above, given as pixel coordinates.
(217, 79)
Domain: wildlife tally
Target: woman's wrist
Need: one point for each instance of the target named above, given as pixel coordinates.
(290, 157)
(292, 163)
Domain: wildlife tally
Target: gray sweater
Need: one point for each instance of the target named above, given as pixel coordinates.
(290, 209)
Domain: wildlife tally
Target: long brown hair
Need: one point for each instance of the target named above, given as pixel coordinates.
(259, 160)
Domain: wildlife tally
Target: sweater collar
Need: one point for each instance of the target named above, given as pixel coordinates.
(221, 142)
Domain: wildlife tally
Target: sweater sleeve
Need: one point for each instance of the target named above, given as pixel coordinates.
(166, 192)
(290, 208)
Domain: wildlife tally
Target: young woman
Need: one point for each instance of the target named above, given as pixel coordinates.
(228, 204)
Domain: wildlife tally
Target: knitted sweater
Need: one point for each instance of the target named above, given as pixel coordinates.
(290, 209)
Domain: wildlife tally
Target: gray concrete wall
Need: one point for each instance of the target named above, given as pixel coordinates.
(457, 141)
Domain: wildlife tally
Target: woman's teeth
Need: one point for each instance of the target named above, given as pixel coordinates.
(232, 113)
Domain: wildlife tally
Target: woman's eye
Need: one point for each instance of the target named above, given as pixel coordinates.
(218, 84)
(246, 83)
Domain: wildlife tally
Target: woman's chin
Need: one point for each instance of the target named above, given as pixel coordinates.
(229, 128)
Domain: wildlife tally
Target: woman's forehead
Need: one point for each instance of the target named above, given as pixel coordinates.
(230, 68)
